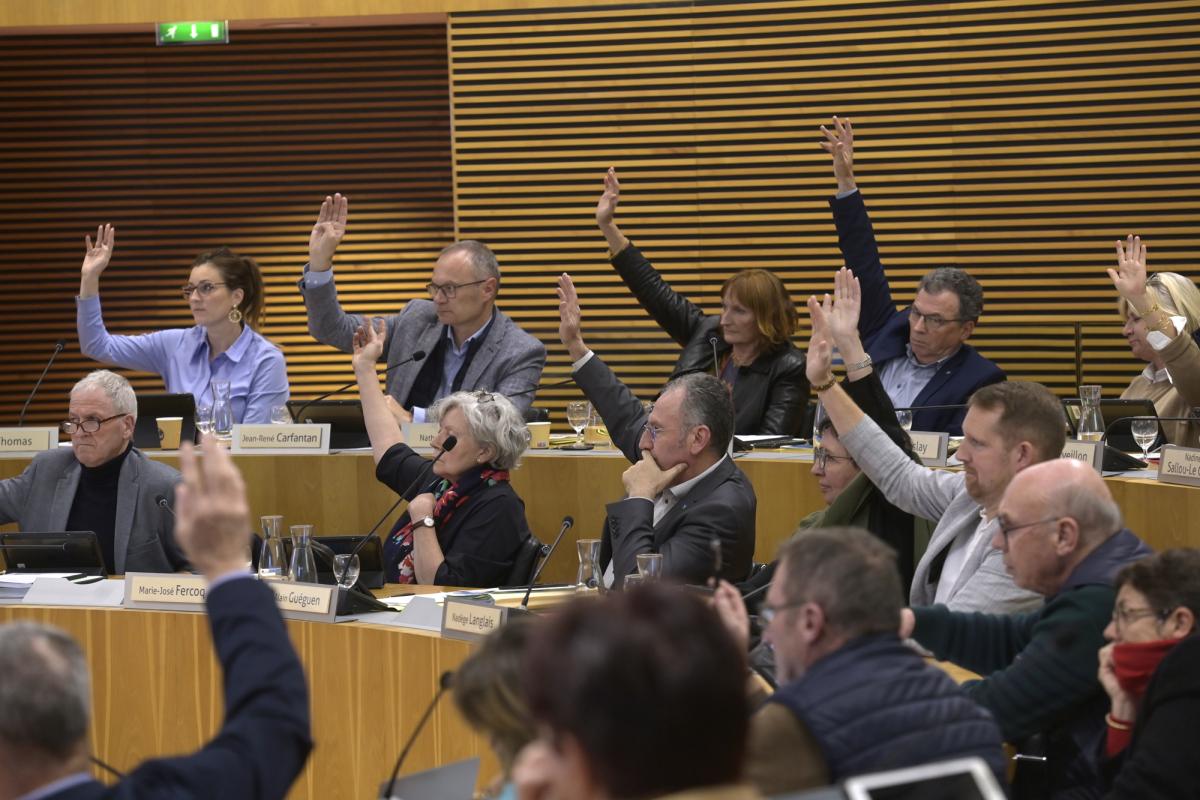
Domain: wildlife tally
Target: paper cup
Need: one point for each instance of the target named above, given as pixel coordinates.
(168, 432)
(539, 435)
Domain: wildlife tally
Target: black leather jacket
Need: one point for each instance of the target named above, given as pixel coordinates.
(769, 396)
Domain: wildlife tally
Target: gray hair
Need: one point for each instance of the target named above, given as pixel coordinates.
(706, 401)
(44, 696)
(493, 422)
(850, 573)
(114, 386)
(1098, 515)
(966, 288)
(482, 259)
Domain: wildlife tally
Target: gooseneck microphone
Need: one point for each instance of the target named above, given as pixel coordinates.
(444, 682)
(554, 385)
(59, 346)
(567, 522)
(113, 770)
(162, 503)
(712, 341)
(417, 356)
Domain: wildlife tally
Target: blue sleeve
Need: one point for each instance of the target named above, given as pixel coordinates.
(268, 387)
(856, 238)
(150, 352)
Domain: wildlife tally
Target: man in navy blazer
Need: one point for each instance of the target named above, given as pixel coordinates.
(264, 741)
(921, 353)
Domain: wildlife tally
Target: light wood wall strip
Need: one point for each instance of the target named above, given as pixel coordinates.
(1015, 139)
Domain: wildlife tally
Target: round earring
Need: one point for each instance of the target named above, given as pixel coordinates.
(235, 314)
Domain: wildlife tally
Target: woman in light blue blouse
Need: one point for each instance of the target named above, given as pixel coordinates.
(225, 294)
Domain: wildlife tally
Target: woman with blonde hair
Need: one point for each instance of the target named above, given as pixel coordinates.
(1162, 317)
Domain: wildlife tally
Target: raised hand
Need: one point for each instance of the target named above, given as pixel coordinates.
(211, 511)
(1130, 275)
(839, 143)
(847, 303)
(606, 209)
(819, 358)
(569, 317)
(728, 603)
(327, 232)
(96, 254)
(368, 344)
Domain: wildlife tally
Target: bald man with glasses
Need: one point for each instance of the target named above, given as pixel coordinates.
(101, 484)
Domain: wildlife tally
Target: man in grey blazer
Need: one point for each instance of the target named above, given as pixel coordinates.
(468, 343)
(102, 484)
(1008, 427)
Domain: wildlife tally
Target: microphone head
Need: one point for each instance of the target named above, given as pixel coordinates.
(568, 521)
(446, 680)
(712, 340)
(449, 444)
(160, 500)
(417, 356)
(61, 344)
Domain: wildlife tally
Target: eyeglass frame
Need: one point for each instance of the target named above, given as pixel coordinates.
(483, 397)
(821, 456)
(205, 288)
(767, 613)
(933, 322)
(449, 290)
(1121, 617)
(1006, 530)
(62, 426)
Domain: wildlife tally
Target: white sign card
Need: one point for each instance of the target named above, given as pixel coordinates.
(1179, 465)
(419, 434)
(471, 620)
(281, 439)
(1090, 453)
(930, 447)
(27, 440)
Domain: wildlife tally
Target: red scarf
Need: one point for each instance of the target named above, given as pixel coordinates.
(1135, 662)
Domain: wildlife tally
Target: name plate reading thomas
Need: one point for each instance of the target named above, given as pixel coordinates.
(1179, 465)
(1090, 453)
(165, 592)
(930, 447)
(27, 440)
(315, 602)
(419, 434)
(471, 620)
(281, 439)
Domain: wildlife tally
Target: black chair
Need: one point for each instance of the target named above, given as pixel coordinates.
(532, 551)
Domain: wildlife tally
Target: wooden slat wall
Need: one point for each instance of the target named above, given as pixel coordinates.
(1015, 139)
(184, 149)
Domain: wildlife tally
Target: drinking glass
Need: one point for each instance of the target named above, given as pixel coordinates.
(589, 575)
(204, 419)
(633, 579)
(650, 566)
(280, 415)
(578, 414)
(819, 417)
(1145, 431)
(346, 569)
(272, 561)
(905, 419)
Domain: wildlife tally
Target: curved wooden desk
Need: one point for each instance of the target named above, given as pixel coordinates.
(156, 691)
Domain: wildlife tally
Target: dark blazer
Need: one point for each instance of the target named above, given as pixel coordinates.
(721, 506)
(481, 541)
(884, 330)
(769, 396)
(264, 741)
(40, 499)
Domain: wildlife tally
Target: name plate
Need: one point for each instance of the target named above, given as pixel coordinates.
(165, 592)
(930, 447)
(471, 620)
(27, 440)
(419, 434)
(1091, 453)
(281, 439)
(315, 602)
(1179, 465)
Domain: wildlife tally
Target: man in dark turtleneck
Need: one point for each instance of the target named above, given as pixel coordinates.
(101, 484)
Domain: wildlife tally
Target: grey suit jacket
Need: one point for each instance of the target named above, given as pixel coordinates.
(40, 498)
(509, 362)
(721, 506)
(983, 584)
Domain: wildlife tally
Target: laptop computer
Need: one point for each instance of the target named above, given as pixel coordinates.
(347, 430)
(957, 779)
(455, 780)
(70, 551)
(153, 406)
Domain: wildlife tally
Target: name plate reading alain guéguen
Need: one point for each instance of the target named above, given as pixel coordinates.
(1179, 465)
(471, 620)
(27, 440)
(1090, 453)
(281, 439)
(930, 447)
(315, 602)
(165, 592)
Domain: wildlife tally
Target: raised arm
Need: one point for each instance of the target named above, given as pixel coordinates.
(96, 256)
(382, 428)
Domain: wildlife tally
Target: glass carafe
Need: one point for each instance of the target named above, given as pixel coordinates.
(222, 411)
(272, 561)
(1091, 423)
(589, 575)
(304, 565)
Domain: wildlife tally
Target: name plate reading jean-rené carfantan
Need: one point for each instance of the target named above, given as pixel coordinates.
(281, 439)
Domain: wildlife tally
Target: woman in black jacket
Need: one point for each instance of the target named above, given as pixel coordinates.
(748, 345)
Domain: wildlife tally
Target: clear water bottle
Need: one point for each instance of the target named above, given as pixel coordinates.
(222, 411)
(272, 561)
(1091, 423)
(304, 565)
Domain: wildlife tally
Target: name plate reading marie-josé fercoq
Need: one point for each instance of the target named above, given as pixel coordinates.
(281, 439)
(930, 447)
(1179, 465)
(27, 440)
(1090, 453)
(165, 591)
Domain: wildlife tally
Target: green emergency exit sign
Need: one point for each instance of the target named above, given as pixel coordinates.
(193, 32)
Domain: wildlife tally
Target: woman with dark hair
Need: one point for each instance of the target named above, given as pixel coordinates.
(749, 345)
(1151, 671)
(225, 294)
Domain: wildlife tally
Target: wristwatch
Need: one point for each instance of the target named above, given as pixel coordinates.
(427, 522)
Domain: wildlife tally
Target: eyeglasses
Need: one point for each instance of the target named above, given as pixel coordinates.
(449, 289)
(932, 321)
(88, 425)
(768, 613)
(1122, 616)
(205, 288)
(1007, 530)
(821, 456)
(483, 397)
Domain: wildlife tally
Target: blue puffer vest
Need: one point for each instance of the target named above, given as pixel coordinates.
(876, 705)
